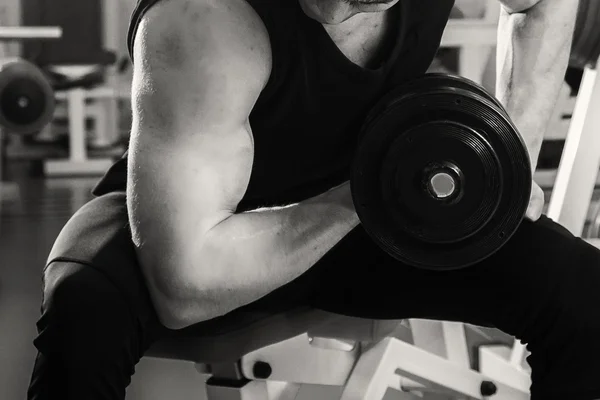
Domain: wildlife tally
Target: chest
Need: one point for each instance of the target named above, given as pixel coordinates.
(366, 40)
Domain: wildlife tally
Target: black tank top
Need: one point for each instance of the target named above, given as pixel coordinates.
(307, 119)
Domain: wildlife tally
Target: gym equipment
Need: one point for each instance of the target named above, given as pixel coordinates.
(26, 97)
(9, 189)
(89, 49)
(477, 37)
(586, 38)
(448, 205)
(273, 357)
(78, 104)
(21, 33)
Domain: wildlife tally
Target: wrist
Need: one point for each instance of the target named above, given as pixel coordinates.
(340, 199)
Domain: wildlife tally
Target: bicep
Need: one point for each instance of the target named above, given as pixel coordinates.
(191, 147)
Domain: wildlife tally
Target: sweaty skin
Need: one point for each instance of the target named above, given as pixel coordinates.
(201, 65)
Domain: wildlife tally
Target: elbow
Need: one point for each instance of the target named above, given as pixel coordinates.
(180, 303)
(172, 312)
(171, 316)
(182, 296)
(175, 317)
(177, 313)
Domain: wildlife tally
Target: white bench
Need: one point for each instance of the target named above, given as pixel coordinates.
(272, 357)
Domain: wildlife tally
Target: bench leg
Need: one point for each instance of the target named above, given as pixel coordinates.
(372, 374)
(225, 389)
(382, 366)
(220, 389)
(282, 390)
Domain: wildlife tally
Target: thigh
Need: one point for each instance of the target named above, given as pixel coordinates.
(535, 274)
(89, 336)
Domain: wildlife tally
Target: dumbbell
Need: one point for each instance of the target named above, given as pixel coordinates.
(26, 97)
(441, 178)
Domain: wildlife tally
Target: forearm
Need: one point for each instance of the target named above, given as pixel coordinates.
(532, 57)
(254, 253)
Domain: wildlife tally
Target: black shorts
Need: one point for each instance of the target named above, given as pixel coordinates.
(542, 287)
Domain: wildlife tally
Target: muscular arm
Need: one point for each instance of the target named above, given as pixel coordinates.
(534, 41)
(200, 66)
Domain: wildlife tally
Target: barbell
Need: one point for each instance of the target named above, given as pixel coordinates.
(441, 178)
(26, 97)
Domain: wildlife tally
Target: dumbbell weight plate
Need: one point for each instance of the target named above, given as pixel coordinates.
(431, 80)
(446, 128)
(26, 97)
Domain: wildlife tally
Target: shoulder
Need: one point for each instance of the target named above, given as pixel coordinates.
(203, 30)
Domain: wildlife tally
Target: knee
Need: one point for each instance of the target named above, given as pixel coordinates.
(80, 307)
(68, 285)
(77, 293)
(571, 307)
(87, 337)
(581, 295)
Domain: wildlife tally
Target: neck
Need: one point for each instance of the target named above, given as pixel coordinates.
(351, 25)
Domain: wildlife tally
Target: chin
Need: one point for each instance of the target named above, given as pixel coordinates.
(330, 12)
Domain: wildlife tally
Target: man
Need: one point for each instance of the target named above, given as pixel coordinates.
(234, 195)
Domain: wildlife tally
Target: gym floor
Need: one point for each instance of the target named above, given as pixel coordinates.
(28, 228)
